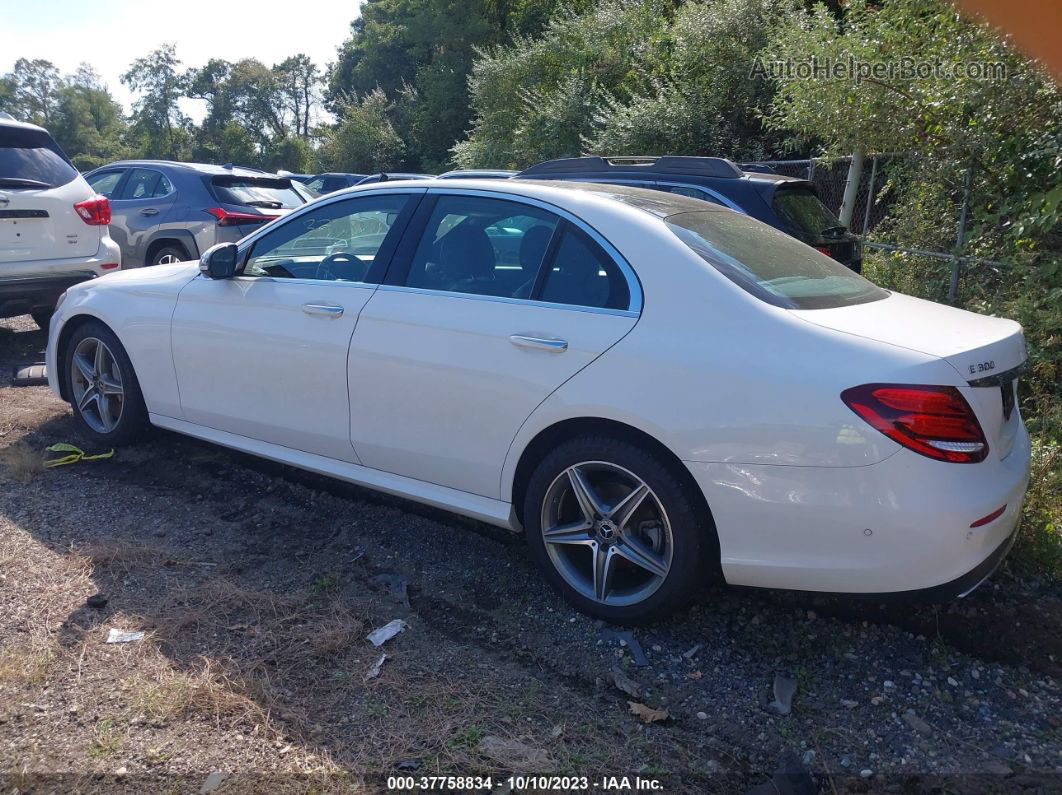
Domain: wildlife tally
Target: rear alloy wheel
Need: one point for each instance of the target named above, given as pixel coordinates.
(615, 531)
(102, 387)
(169, 255)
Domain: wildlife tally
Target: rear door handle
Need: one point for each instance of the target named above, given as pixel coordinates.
(323, 310)
(539, 343)
(149, 211)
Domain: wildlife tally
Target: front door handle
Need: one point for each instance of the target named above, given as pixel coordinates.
(323, 310)
(149, 211)
(539, 343)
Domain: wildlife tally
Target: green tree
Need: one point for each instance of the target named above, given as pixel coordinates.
(34, 90)
(364, 140)
(159, 127)
(540, 98)
(705, 98)
(88, 122)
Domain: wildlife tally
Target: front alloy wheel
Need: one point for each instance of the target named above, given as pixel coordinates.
(102, 387)
(96, 384)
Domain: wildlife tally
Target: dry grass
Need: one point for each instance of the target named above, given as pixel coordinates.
(21, 461)
(161, 692)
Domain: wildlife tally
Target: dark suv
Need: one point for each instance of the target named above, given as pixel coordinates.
(164, 212)
(785, 203)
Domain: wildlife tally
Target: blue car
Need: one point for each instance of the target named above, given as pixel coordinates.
(786, 203)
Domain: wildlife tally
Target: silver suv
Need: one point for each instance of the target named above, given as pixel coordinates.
(53, 226)
(164, 212)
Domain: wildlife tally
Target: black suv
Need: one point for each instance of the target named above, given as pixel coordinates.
(786, 203)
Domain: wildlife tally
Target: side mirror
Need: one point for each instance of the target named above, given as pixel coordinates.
(219, 262)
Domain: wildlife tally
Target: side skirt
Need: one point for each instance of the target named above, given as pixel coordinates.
(474, 506)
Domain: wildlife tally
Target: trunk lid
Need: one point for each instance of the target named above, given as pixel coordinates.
(42, 224)
(987, 352)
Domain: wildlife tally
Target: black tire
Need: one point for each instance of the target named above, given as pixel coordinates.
(43, 319)
(174, 250)
(692, 539)
(131, 421)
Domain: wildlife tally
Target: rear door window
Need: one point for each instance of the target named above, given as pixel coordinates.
(32, 159)
(141, 184)
(482, 246)
(261, 192)
(581, 274)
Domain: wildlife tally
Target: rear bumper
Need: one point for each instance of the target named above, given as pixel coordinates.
(40, 294)
(902, 525)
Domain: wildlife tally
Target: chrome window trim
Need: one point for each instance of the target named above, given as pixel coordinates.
(316, 282)
(634, 286)
(162, 175)
(501, 299)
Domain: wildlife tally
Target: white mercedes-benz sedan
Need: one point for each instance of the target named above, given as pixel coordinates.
(651, 388)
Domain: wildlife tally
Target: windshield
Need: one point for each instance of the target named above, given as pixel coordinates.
(770, 264)
(267, 194)
(31, 159)
(802, 210)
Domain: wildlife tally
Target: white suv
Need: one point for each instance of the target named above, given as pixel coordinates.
(53, 226)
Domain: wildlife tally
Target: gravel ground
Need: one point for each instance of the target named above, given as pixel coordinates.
(256, 584)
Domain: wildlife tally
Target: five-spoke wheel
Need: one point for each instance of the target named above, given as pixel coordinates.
(617, 529)
(607, 533)
(96, 385)
(101, 385)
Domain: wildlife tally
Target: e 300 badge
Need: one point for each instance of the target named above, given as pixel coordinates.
(982, 367)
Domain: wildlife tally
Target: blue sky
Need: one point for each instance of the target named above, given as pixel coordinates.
(110, 34)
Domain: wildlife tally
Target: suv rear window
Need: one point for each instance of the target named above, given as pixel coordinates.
(31, 159)
(770, 264)
(265, 193)
(802, 210)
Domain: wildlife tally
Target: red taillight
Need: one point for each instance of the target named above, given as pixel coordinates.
(109, 266)
(990, 518)
(95, 211)
(935, 421)
(225, 218)
(825, 251)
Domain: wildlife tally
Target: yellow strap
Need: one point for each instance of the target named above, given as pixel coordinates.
(76, 454)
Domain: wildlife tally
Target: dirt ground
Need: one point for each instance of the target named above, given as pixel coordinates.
(256, 585)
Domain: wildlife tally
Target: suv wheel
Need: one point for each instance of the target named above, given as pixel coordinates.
(615, 531)
(103, 389)
(169, 255)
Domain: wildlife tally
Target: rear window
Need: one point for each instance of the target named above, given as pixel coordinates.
(802, 210)
(770, 264)
(268, 194)
(31, 159)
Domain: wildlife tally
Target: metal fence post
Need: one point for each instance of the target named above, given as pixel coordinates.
(960, 234)
(870, 192)
(851, 188)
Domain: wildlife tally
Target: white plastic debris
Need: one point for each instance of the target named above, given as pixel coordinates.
(380, 636)
(377, 666)
(118, 636)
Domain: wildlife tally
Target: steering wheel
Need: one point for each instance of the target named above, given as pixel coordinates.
(324, 267)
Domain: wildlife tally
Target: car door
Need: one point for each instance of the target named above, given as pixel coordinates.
(136, 209)
(464, 340)
(263, 355)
